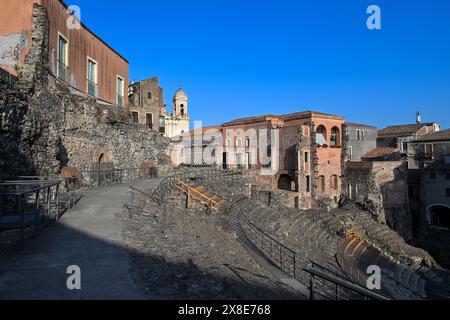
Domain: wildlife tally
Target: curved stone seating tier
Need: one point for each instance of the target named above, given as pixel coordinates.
(318, 236)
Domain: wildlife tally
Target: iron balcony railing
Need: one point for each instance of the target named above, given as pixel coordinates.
(63, 71)
(92, 88)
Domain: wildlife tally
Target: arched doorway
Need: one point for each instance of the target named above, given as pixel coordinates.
(285, 182)
(102, 167)
(439, 216)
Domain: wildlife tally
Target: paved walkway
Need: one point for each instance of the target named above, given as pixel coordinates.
(88, 236)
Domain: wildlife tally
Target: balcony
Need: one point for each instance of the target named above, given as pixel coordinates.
(63, 72)
(92, 88)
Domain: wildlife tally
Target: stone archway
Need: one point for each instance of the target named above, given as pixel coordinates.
(102, 166)
(285, 182)
(438, 215)
(101, 155)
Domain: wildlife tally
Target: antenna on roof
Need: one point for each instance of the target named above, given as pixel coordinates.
(418, 117)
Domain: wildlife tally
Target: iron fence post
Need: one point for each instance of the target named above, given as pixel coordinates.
(311, 287)
(22, 221)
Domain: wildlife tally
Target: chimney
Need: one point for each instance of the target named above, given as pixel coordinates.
(418, 118)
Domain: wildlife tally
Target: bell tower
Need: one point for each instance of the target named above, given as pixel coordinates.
(180, 104)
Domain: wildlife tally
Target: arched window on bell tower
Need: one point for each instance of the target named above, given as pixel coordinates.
(182, 110)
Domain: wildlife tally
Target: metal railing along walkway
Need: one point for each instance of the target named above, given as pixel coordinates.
(32, 202)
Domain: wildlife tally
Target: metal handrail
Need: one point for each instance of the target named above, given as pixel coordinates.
(291, 258)
(102, 177)
(321, 272)
(279, 254)
(33, 208)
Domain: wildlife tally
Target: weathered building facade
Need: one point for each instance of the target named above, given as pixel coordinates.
(76, 55)
(297, 155)
(46, 126)
(429, 192)
(399, 137)
(146, 100)
(381, 188)
(360, 139)
(146, 103)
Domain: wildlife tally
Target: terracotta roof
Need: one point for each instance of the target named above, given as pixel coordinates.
(254, 119)
(403, 129)
(354, 124)
(383, 153)
(358, 165)
(309, 114)
(195, 131)
(291, 116)
(437, 136)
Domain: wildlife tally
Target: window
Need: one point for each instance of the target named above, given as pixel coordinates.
(92, 77)
(405, 146)
(307, 157)
(322, 183)
(428, 151)
(149, 120)
(119, 90)
(334, 182)
(308, 184)
(239, 160)
(353, 192)
(363, 138)
(247, 142)
(182, 110)
(135, 116)
(63, 58)
(432, 175)
(334, 138)
(358, 134)
(238, 143)
(162, 124)
(249, 160)
(228, 143)
(350, 153)
(149, 95)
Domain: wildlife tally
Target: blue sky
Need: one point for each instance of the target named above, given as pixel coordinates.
(238, 58)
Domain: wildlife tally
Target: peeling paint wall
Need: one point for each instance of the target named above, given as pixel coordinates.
(11, 47)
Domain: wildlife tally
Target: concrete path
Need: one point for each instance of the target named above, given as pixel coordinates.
(88, 236)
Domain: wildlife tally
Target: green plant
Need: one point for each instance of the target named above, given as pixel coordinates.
(19, 69)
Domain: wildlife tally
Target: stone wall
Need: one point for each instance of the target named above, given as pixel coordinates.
(382, 191)
(44, 128)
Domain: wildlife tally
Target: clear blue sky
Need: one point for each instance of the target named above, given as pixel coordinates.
(238, 58)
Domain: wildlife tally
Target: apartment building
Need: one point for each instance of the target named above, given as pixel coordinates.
(77, 57)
